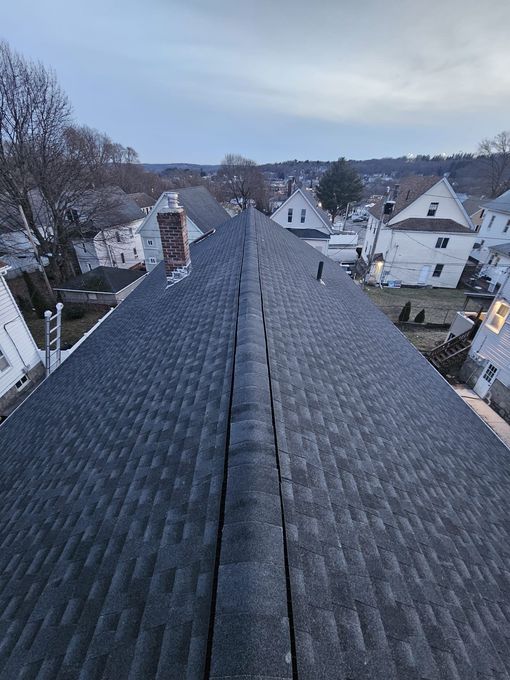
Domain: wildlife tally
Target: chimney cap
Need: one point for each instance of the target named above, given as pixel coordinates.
(172, 202)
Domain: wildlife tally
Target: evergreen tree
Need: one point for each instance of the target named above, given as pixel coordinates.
(405, 313)
(339, 186)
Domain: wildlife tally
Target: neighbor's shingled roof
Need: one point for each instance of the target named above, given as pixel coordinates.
(142, 199)
(102, 279)
(410, 188)
(499, 204)
(202, 208)
(431, 224)
(309, 233)
(252, 475)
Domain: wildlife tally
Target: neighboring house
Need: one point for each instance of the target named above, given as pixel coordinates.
(342, 247)
(426, 235)
(20, 364)
(497, 266)
(250, 474)
(16, 248)
(143, 201)
(102, 285)
(106, 224)
(301, 215)
(203, 213)
(494, 229)
(314, 237)
(487, 369)
(473, 207)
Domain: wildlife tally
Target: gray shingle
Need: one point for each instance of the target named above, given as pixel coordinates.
(246, 466)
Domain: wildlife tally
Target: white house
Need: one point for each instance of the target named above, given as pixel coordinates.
(487, 368)
(106, 228)
(494, 229)
(497, 265)
(425, 238)
(20, 364)
(203, 213)
(301, 215)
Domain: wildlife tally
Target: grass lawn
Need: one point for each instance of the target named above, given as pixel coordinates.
(440, 304)
(72, 329)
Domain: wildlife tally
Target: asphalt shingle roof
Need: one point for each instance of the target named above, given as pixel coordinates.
(431, 224)
(202, 208)
(104, 279)
(252, 475)
(499, 204)
(309, 233)
(409, 190)
(142, 199)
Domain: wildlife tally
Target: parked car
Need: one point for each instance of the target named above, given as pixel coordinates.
(359, 218)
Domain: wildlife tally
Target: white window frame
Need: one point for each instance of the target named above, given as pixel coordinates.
(431, 212)
(438, 274)
(152, 260)
(4, 362)
(22, 383)
(303, 215)
(290, 215)
(442, 242)
(498, 316)
(150, 242)
(491, 221)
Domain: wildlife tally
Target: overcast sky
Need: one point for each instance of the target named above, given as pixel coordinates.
(190, 80)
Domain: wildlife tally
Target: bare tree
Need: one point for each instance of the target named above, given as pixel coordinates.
(244, 181)
(49, 167)
(495, 152)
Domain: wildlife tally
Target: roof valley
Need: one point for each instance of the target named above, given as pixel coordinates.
(251, 527)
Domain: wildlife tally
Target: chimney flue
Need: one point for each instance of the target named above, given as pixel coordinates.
(174, 239)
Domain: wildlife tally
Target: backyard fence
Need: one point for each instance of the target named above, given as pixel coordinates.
(434, 315)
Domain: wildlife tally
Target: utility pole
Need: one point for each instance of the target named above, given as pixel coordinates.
(36, 251)
(376, 238)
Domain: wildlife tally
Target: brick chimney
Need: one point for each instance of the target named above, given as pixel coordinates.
(174, 239)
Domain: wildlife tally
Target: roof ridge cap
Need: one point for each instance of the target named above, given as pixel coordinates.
(252, 539)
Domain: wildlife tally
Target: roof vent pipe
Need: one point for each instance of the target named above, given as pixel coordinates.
(319, 270)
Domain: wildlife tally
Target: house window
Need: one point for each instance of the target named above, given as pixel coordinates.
(498, 316)
(22, 382)
(303, 215)
(491, 222)
(432, 209)
(84, 247)
(507, 226)
(289, 215)
(4, 364)
(152, 260)
(89, 266)
(437, 270)
(134, 252)
(150, 242)
(482, 242)
(122, 258)
(442, 242)
(489, 373)
(117, 236)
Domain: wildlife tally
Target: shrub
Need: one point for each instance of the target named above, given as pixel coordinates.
(405, 313)
(420, 317)
(72, 312)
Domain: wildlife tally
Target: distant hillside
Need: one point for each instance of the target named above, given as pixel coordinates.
(466, 172)
(161, 167)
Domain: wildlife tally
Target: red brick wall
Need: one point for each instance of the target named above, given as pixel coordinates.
(174, 240)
